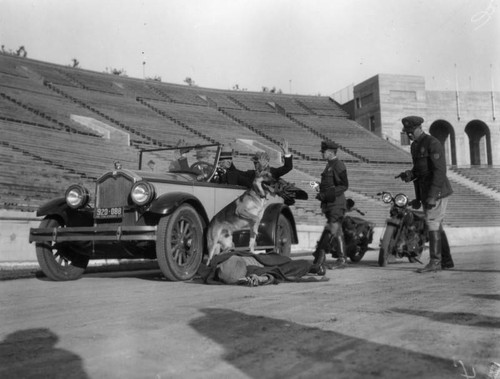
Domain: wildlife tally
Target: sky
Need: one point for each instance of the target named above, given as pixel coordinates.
(310, 47)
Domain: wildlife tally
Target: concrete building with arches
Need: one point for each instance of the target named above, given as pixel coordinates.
(466, 122)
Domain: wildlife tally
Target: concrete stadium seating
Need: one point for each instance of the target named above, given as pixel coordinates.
(43, 149)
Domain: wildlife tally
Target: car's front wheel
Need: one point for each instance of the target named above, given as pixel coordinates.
(58, 262)
(179, 243)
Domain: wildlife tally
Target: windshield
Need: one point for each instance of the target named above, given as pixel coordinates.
(199, 160)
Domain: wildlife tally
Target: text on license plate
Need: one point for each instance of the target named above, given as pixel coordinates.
(112, 212)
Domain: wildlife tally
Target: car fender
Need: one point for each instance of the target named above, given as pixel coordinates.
(169, 202)
(55, 206)
(267, 227)
(71, 217)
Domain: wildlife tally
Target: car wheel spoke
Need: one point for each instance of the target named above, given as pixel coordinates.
(175, 244)
(177, 254)
(60, 259)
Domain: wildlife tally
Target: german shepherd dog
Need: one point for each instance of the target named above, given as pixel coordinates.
(244, 212)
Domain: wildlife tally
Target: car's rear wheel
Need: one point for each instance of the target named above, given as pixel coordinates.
(179, 243)
(283, 243)
(59, 263)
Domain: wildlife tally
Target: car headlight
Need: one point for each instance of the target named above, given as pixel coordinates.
(142, 193)
(77, 196)
(401, 200)
(387, 197)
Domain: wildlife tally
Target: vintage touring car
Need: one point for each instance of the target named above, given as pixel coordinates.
(159, 211)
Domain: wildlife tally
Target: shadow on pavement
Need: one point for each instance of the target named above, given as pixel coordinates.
(31, 353)
(481, 271)
(154, 275)
(404, 265)
(454, 318)
(267, 347)
(485, 296)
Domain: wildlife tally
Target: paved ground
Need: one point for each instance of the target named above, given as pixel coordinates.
(366, 322)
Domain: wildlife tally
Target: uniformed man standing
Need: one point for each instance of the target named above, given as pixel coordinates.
(432, 189)
(333, 184)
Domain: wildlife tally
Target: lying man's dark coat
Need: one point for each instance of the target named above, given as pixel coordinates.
(280, 267)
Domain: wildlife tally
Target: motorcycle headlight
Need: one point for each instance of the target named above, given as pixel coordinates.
(401, 200)
(386, 197)
(142, 193)
(77, 196)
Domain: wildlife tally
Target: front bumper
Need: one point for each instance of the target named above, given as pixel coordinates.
(94, 233)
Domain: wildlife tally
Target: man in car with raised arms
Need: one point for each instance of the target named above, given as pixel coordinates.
(227, 173)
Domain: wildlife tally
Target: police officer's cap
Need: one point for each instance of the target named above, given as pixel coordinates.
(411, 123)
(328, 145)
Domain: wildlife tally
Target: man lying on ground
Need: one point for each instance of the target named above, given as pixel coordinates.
(245, 268)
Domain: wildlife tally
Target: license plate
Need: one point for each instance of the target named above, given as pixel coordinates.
(112, 212)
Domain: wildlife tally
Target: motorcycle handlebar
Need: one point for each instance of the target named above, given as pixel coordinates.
(361, 213)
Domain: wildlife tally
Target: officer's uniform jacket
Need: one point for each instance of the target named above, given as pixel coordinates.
(429, 169)
(334, 182)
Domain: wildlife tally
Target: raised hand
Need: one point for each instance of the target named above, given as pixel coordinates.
(284, 146)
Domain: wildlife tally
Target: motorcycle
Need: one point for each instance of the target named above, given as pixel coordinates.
(358, 233)
(405, 232)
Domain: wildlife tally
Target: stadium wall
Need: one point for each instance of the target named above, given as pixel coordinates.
(15, 248)
(468, 122)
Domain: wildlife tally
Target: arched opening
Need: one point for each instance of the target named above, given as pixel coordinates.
(444, 132)
(479, 143)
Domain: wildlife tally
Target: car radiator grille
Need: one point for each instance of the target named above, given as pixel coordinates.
(114, 191)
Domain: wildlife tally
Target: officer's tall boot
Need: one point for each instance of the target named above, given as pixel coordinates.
(322, 247)
(446, 259)
(434, 252)
(341, 261)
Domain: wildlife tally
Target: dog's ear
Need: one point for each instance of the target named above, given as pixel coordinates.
(267, 176)
(271, 186)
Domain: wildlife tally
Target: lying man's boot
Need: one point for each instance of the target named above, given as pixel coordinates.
(434, 252)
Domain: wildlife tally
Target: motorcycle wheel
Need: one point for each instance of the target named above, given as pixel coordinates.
(419, 251)
(385, 247)
(356, 253)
